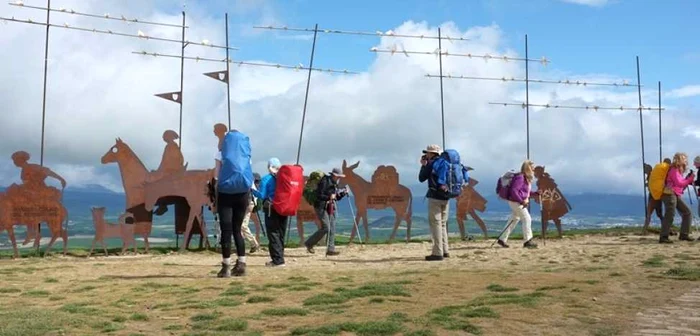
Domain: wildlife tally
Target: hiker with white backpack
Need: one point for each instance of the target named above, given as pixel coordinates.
(446, 176)
(516, 189)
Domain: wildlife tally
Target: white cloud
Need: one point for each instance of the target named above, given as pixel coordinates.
(684, 92)
(99, 91)
(592, 3)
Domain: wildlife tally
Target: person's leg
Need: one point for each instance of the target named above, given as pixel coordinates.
(670, 211)
(245, 229)
(283, 222)
(435, 220)
(658, 207)
(331, 235)
(513, 221)
(275, 234)
(527, 227)
(225, 211)
(240, 204)
(686, 219)
(445, 213)
(320, 233)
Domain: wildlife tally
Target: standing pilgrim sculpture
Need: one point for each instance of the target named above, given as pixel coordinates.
(554, 204)
(167, 185)
(383, 192)
(33, 202)
(468, 203)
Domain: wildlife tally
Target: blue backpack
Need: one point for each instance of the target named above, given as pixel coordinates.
(236, 174)
(451, 172)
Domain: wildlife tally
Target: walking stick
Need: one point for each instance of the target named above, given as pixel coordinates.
(504, 230)
(544, 231)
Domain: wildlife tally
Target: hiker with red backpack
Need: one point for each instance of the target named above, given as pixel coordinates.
(516, 189)
(275, 223)
(233, 184)
(325, 204)
(446, 177)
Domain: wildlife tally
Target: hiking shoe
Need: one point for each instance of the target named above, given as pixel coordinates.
(446, 255)
(332, 253)
(225, 271)
(238, 269)
(433, 258)
(309, 249)
(503, 244)
(530, 244)
(272, 264)
(685, 237)
(665, 240)
(254, 248)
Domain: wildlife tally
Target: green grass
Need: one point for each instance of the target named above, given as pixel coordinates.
(373, 328)
(231, 324)
(343, 294)
(683, 273)
(173, 327)
(119, 319)
(84, 289)
(285, 312)
(36, 293)
(205, 317)
(260, 299)
(298, 279)
(499, 288)
(235, 291)
(51, 280)
(299, 288)
(526, 300)
(78, 308)
(138, 317)
(9, 290)
(548, 288)
(656, 260)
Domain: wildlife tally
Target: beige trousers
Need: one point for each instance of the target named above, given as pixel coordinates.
(438, 212)
(245, 230)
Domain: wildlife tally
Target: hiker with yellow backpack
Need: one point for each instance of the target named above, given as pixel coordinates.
(656, 182)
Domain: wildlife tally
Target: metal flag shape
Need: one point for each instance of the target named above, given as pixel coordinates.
(172, 96)
(218, 75)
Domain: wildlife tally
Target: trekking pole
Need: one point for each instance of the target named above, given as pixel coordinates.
(504, 230)
(262, 225)
(544, 232)
(357, 228)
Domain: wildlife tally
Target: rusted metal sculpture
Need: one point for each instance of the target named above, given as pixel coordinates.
(554, 204)
(468, 203)
(33, 202)
(305, 214)
(103, 230)
(383, 192)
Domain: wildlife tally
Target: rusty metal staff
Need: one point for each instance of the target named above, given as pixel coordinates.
(641, 130)
(306, 99)
(46, 69)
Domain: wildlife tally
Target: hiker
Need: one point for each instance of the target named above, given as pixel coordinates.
(673, 200)
(325, 205)
(438, 204)
(235, 179)
(245, 229)
(518, 197)
(656, 180)
(275, 224)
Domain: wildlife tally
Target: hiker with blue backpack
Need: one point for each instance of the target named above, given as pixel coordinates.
(446, 177)
(516, 189)
(275, 224)
(235, 179)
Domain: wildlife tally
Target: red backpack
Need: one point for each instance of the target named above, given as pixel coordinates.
(288, 190)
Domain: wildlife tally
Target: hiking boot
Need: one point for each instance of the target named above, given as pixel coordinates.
(238, 269)
(225, 271)
(446, 255)
(503, 244)
(272, 264)
(309, 249)
(433, 258)
(332, 253)
(685, 237)
(665, 240)
(254, 248)
(530, 244)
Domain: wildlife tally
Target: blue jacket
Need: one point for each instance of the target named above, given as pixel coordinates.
(266, 191)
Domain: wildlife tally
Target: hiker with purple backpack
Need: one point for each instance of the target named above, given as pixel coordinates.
(516, 189)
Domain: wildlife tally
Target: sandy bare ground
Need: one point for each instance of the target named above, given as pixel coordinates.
(585, 285)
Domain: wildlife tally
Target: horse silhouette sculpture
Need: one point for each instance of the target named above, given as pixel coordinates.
(383, 192)
(554, 204)
(103, 230)
(33, 202)
(468, 203)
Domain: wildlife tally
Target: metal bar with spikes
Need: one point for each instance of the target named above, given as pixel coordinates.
(109, 32)
(104, 16)
(588, 107)
(298, 67)
(486, 57)
(544, 81)
(363, 33)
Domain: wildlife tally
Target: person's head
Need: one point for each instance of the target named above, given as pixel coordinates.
(680, 161)
(528, 170)
(336, 174)
(273, 166)
(696, 162)
(170, 136)
(220, 130)
(256, 178)
(20, 158)
(668, 161)
(432, 151)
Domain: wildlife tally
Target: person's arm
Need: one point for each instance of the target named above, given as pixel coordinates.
(262, 193)
(675, 179)
(425, 171)
(50, 172)
(518, 188)
(322, 190)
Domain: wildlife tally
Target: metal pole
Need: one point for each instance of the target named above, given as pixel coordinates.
(527, 99)
(228, 77)
(182, 75)
(306, 97)
(641, 129)
(660, 150)
(46, 69)
(442, 101)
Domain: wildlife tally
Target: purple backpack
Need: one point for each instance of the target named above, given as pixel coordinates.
(503, 185)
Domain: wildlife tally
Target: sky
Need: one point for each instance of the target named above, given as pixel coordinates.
(97, 90)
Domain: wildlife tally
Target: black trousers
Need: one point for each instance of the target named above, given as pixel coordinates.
(276, 226)
(232, 209)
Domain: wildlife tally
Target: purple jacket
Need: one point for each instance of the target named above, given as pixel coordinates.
(519, 189)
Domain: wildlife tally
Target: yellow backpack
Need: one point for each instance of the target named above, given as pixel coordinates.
(657, 180)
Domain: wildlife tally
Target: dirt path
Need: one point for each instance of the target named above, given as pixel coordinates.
(680, 316)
